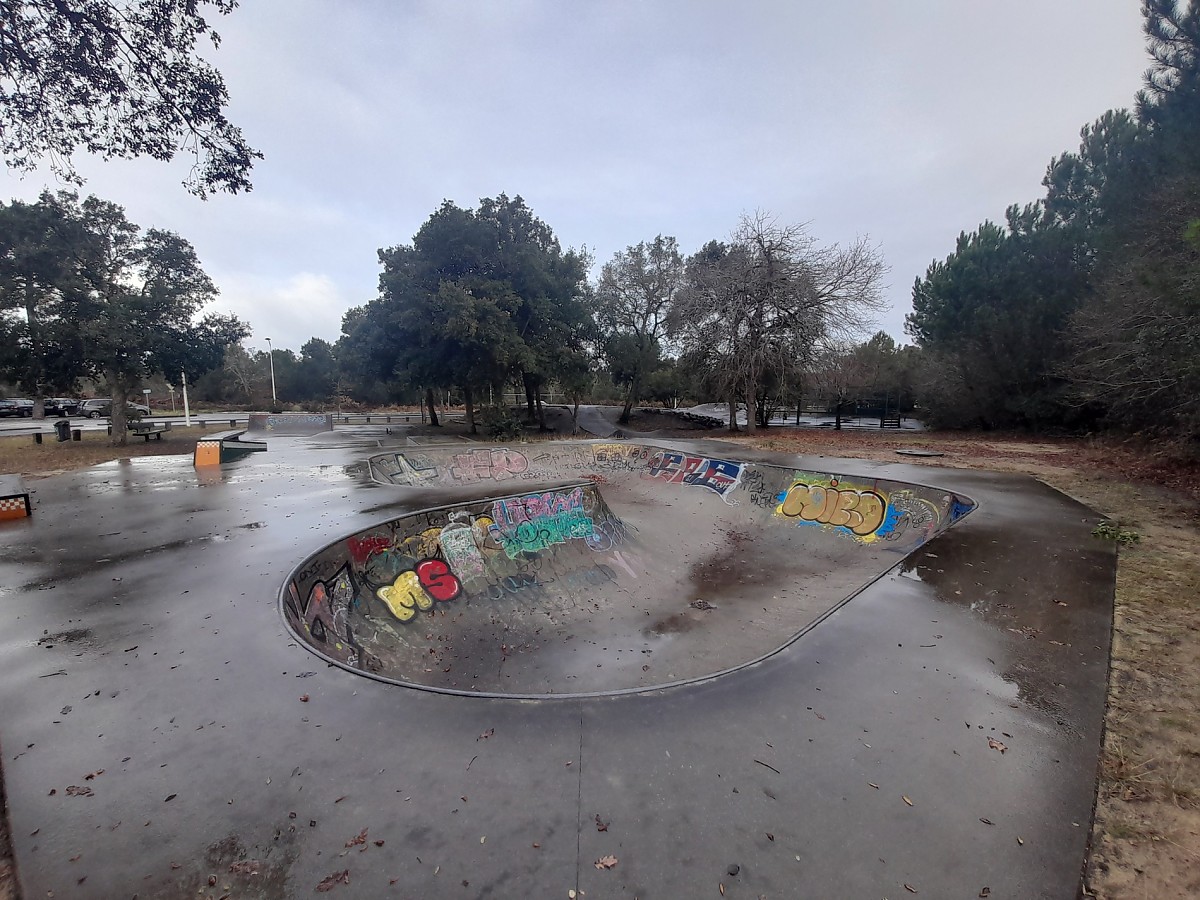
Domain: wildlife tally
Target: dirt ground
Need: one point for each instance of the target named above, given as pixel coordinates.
(1146, 834)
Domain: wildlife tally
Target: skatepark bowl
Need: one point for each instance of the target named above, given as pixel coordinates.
(587, 569)
(653, 669)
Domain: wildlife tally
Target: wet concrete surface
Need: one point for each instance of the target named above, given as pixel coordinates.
(161, 726)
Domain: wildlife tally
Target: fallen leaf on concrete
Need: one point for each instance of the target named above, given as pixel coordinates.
(721, 888)
(986, 821)
(330, 881)
(245, 867)
(605, 862)
(906, 800)
(996, 745)
(75, 790)
(487, 734)
(873, 784)
(304, 699)
(91, 775)
(910, 888)
(985, 892)
(601, 825)
(170, 797)
(360, 838)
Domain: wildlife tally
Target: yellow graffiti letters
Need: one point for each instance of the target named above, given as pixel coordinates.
(405, 596)
(860, 511)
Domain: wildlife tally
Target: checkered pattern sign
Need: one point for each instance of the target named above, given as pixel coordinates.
(13, 507)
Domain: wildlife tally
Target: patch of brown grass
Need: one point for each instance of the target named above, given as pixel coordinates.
(19, 455)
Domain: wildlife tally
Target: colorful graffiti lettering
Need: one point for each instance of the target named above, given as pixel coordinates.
(718, 475)
(362, 548)
(499, 464)
(418, 588)
(860, 511)
(536, 521)
(437, 579)
(405, 596)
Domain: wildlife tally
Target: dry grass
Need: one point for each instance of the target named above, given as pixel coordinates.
(19, 455)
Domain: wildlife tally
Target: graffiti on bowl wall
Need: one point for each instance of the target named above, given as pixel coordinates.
(489, 549)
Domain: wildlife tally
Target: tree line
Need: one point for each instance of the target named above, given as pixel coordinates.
(1082, 310)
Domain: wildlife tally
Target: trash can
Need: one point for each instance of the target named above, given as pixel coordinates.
(63, 429)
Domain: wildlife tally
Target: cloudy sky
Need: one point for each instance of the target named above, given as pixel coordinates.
(904, 120)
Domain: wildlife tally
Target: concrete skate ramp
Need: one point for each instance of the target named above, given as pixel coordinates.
(291, 423)
(591, 568)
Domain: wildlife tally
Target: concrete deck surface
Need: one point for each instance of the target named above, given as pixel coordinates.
(165, 735)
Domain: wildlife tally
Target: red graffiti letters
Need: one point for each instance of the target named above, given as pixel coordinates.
(437, 579)
(361, 549)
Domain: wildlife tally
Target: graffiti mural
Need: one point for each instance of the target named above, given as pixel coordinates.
(718, 475)
(417, 589)
(536, 521)
(860, 511)
(463, 555)
(498, 464)
(908, 511)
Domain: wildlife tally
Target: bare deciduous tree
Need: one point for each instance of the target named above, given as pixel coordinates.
(764, 301)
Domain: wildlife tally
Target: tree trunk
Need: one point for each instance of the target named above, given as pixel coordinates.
(469, 402)
(634, 390)
(751, 413)
(837, 415)
(733, 413)
(119, 411)
(541, 411)
(433, 419)
(575, 417)
(530, 382)
(35, 345)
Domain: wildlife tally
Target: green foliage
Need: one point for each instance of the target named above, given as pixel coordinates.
(119, 80)
(499, 423)
(479, 297)
(991, 318)
(117, 303)
(1112, 531)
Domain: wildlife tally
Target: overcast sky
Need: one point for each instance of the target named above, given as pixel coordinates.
(906, 121)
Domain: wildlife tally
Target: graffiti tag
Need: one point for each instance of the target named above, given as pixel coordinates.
(718, 475)
(858, 511)
(499, 464)
(536, 521)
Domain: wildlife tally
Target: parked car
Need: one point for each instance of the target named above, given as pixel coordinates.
(61, 406)
(16, 407)
(102, 406)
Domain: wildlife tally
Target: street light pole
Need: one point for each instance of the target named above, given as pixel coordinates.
(274, 399)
